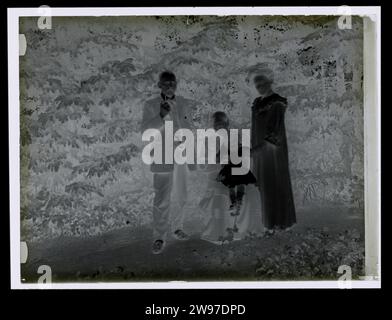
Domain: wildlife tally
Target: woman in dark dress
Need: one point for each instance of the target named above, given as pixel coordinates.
(270, 154)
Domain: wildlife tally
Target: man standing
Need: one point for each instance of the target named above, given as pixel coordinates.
(169, 180)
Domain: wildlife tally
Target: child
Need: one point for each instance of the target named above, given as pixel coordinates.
(235, 183)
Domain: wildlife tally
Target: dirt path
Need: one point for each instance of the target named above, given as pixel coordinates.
(125, 255)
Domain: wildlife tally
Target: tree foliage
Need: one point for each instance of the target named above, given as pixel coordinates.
(83, 86)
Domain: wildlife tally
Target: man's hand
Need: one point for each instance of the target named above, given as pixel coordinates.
(166, 107)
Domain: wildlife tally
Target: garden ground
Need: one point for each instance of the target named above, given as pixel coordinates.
(323, 239)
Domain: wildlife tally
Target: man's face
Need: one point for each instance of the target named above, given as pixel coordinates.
(262, 84)
(168, 87)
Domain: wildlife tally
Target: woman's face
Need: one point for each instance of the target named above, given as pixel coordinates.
(262, 84)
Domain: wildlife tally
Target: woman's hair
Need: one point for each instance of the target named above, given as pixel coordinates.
(220, 116)
(261, 69)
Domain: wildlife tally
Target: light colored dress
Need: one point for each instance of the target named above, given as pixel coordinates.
(214, 207)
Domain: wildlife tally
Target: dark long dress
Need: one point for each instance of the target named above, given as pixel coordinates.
(270, 159)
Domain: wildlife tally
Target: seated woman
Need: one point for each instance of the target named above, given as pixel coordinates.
(221, 224)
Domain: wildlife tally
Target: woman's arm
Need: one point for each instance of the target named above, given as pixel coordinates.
(275, 126)
(256, 143)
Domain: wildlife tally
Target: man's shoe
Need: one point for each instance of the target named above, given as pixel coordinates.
(180, 235)
(238, 208)
(233, 209)
(158, 246)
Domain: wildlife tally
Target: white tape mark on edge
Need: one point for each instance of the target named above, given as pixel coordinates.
(24, 252)
(22, 44)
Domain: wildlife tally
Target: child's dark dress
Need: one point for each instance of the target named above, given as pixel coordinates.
(230, 180)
